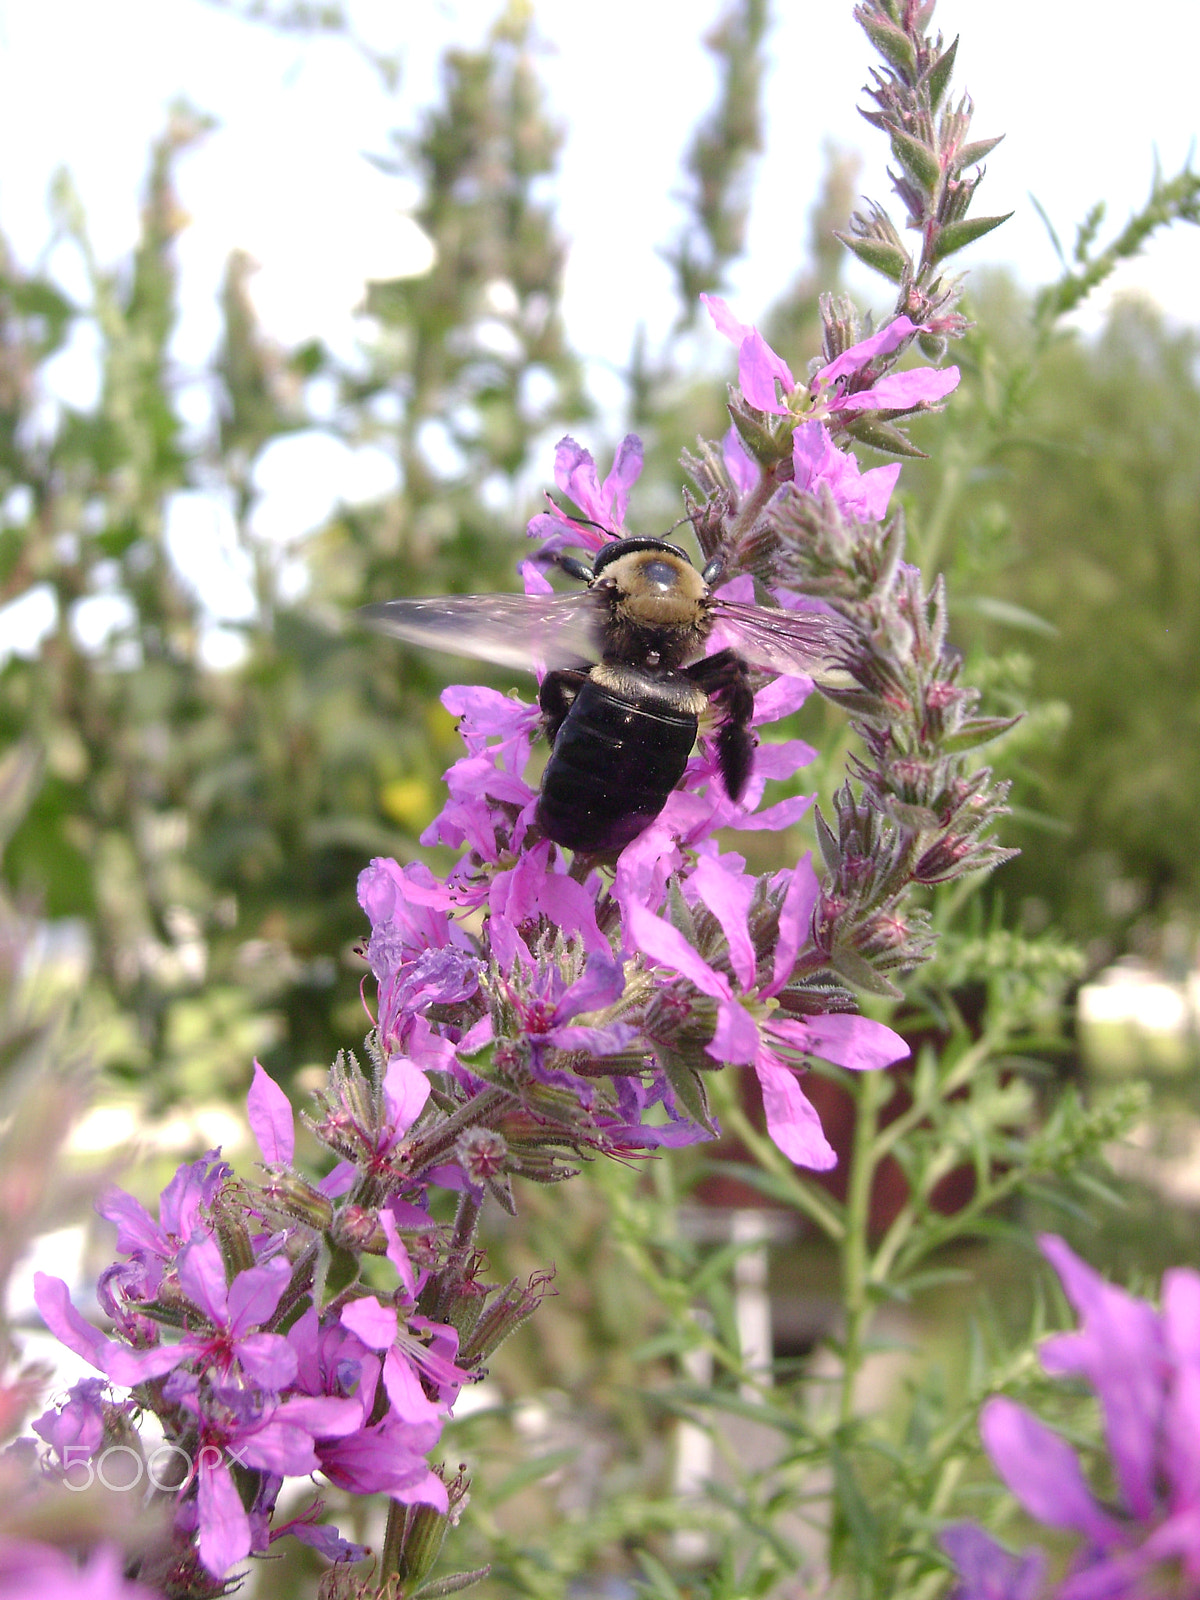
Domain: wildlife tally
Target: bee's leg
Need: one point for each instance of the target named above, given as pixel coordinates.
(557, 695)
(724, 677)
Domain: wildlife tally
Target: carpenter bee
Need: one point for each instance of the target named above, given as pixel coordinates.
(628, 682)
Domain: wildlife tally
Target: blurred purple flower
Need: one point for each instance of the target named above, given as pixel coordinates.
(987, 1570)
(1144, 1368)
(30, 1570)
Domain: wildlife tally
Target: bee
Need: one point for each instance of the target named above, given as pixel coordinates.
(628, 686)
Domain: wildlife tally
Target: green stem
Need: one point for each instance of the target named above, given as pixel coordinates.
(812, 1202)
(391, 1556)
(870, 1090)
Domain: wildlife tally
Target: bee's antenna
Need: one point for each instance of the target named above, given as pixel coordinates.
(586, 521)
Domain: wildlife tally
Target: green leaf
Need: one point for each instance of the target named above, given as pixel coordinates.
(956, 236)
(1004, 611)
(938, 78)
(972, 154)
(687, 1084)
(977, 731)
(885, 436)
(893, 44)
(878, 254)
(859, 974)
(917, 159)
(453, 1583)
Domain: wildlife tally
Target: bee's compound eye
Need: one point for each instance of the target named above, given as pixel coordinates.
(661, 574)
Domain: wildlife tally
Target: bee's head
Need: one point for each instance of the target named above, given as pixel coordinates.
(654, 582)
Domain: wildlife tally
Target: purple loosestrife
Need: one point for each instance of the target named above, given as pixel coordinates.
(1143, 1365)
(536, 1008)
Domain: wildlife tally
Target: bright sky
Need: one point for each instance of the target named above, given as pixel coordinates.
(1086, 101)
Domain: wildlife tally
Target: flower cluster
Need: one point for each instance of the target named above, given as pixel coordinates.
(265, 1379)
(1143, 1366)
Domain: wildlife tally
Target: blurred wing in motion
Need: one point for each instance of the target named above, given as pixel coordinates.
(781, 641)
(524, 631)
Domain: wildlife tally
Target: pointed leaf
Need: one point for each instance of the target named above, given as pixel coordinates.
(972, 154)
(878, 254)
(859, 974)
(977, 731)
(893, 44)
(881, 435)
(938, 78)
(917, 159)
(957, 235)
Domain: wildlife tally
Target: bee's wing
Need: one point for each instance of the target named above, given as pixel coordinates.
(777, 640)
(524, 631)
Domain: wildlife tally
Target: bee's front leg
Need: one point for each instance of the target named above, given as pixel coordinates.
(724, 677)
(557, 695)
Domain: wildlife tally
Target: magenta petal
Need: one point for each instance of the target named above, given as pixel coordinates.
(1119, 1351)
(397, 1251)
(795, 921)
(791, 1120)
(280, 1446)
(724, 319)
(268, 1360)
(224, 1525)
(868, 498)
(844, 1038)
(1042, 1470)
(202, 1278)
(271, 1121)
(374, 1324)
(254, 1294)
(575, 475)
(122, 1365)
(406, 1089)
(735, 1039)
(988, 1571)
(882, 343)
(744, 473)
(136, 1228)
(758, 369)
(728, 897)
(323, 1416)
(780, 698)
(409, 1400)
(626, 470)
(900, 391)
(667, 947)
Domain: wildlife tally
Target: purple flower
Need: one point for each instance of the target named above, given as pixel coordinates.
(606, 504)
(988, 1571)
(759, 368)
(542, 1000)
(848, 384)
(30, 1570)
(77, 1424)
(1144, 1367)
(817, 462)
(418, 953)
(750, 1029)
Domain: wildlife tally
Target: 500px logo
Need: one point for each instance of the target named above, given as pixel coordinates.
(161, 1468)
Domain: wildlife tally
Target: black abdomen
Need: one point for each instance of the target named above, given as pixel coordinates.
(614, 764)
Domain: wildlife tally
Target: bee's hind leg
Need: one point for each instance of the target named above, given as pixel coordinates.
(725, 678)
(557, 695)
